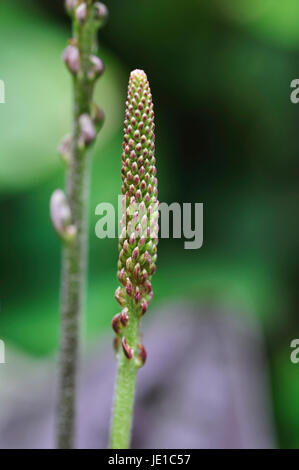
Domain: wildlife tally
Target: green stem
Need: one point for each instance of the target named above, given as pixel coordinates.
(125, 384)
(74, 257)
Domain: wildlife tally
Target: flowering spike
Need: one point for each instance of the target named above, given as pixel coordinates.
(137, 249)
(137, 246)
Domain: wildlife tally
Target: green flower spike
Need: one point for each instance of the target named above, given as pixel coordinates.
(139, 224)
(137, 247)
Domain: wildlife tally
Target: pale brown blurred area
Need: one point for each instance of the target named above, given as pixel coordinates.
(205, 385)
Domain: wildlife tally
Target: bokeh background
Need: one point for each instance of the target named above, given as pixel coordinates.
(220, 74)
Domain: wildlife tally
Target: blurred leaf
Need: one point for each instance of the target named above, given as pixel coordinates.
(37, 112)
(247, 288)
(273, 20)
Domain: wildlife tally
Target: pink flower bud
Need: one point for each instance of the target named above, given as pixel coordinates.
(144, 306)
(71, 58)
(97, 67)
(115, 323)
(124, 316)
(142, 354)
(70, 5)
(60, 213)
(129, 264)
(121, 276)
(135, 253)
(81, 13)
(101, 12)
(137, 296)
(129, 287)
(132, 239)
(144, 275)
(119, 296)
(148, 287)
(126, 246)
(144, 221)
(136, 271)
(88, 132)
(153, 269)
(126, 348)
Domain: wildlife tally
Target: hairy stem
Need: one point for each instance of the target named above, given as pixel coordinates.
(125, 386)
(72, 301)
(74, 257)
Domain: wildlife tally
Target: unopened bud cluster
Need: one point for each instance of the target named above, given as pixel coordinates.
(90, 16)
(78, 9)
(139, 224)
(84, 16)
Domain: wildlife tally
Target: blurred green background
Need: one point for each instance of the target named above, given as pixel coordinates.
(220, 74)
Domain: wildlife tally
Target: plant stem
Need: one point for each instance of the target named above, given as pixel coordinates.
(125, 385)
(72, 299)
(74, 256)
